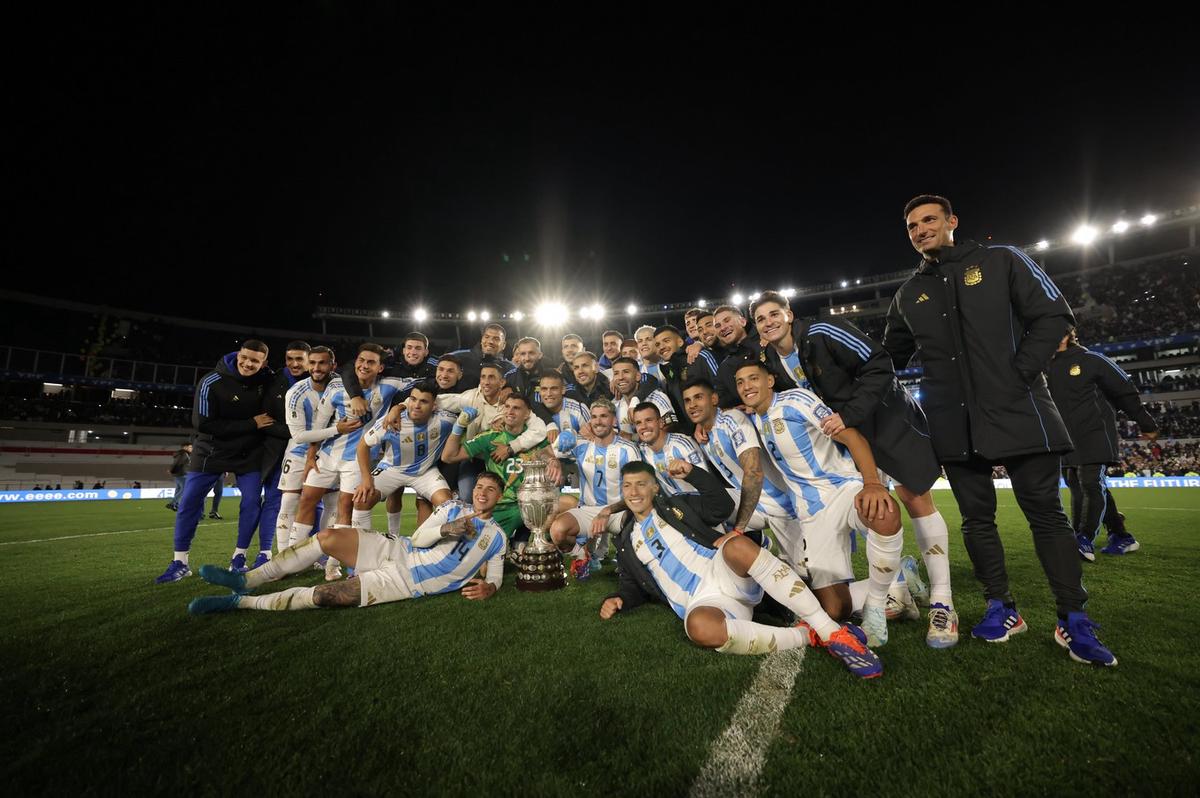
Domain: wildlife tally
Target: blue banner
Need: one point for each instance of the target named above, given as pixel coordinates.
(94, 494)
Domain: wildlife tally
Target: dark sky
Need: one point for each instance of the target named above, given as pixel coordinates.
(238, 167)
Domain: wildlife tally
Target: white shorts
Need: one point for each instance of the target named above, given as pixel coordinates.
(827, 538)
(721, 588)
(425, 485)
(382, 569)
(291, 474)
(584, 516)
(331, 473)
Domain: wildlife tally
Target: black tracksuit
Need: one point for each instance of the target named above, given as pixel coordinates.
(735, 356)
(472, 361)
(985, 321)
(675, 374)
(600, 388)
(228, 439)
(1085, 386)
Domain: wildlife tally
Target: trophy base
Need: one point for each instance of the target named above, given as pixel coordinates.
(538, 572)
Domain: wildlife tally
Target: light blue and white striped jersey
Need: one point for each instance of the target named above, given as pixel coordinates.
(335, 407)
(812, 463)
(599, 466)
(448, 564)
(626, 405)
(653, 369)
(676, 447)
(414, 448)
(792, 362)
(571, 416)
(301, 403)
(730, 436)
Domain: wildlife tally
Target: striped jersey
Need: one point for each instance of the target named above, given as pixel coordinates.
(571, 416)
(791, 361)
(814, 466)
(732, 434)
(676, 447)
(626, 405)
(335, 407)
(300, 404)
(414, 448)
(448, 564)
(599, 466)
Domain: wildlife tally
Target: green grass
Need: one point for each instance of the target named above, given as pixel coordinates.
(109, 686)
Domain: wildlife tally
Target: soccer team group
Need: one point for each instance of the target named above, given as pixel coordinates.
(691, 450)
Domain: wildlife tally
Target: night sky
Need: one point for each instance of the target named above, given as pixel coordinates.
(240, 168)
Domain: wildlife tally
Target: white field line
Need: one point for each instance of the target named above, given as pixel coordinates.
(104, 534)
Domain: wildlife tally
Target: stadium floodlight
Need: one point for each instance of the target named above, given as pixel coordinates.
(788, 293)
(845, 283)
(597, 311)
(385, 314)
(701, 303)
(1042, 245)
(1149, 219)
(484, 315)
(1121, 226)
(551, 314)
(472, 315)
(736, 299)
(1084, 234)
(585, 312)
(518, 315)
(420, 314)
(753, 296)
(858, 281)
(631, 310)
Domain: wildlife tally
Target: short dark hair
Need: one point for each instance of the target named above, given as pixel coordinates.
(520, 396)
(255, 345)
(552, 374)
(692, 313)
(750, 361)
(628, 360)
(296, 346)
(451, 359)
(928, 199)
(323, 350)
(370, 347)
(495, 366)
(668, 328)
(647, 406)
(494, 477)
(637, 467)
(416, 336)
(628, 342)
(528, 339)
(494, 326)
(427, 386)
(704, 312)
(729, 308)
(585, 353)
(770, 296)
(700, 382)
(571, 336)
(607, 333)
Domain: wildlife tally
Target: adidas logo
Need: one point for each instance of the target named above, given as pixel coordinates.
(937, 549)
(797, 588)
(922, 298)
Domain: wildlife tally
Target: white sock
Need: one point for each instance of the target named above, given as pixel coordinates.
(265, 553)
(287, 515)
(182, 556)
(883, 559)
(748, 637)
(858, 594)
(394, 523)
(328, 518)
(361, 519)
(236, 552)
(784, 585)
(299, 533)
(296, 598)
(933, 539)
(291, 560)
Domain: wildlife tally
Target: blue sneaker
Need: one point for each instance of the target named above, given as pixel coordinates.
(999, 623)
(238, 564)
(1087, 550)
(1079, 639)
(175, 571)
(912, 577)
(209, 604)
(261, 559)
(215, 575)
(849, 645)
(1121, 544)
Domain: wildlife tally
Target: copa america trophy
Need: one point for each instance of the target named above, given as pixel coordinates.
(539, 566)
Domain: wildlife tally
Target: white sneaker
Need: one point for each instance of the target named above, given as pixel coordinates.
(912, 578)
(900, 606)
(333, 570)
(943, 627)
(874, 623)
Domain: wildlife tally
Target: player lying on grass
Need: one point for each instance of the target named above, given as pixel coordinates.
(668, 551)
(443, 555)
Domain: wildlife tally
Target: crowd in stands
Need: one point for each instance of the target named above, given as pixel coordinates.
(1158, 458)
(143, 413)
(1134, 302)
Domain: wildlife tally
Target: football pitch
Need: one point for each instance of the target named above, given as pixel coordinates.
(110, 687)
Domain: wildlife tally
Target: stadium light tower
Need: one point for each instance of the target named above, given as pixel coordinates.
(631, 309)
(518, 315)
(701, 303)
(420, 314)
(551, 314)
(597, 311)
(1042, 245)
(1149, 219)
(1120, 227)
(484, 315)
(385, 314)
(736, 299)
(1084, 234)
(472, 315)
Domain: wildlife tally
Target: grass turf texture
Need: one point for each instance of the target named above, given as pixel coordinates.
(109, 686)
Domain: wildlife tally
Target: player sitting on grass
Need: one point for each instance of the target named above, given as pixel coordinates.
(668, 551)
(443, 555)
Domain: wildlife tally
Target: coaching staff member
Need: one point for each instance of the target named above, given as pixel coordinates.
(985, 322)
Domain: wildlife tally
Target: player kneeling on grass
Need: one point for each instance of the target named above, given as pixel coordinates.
(669, 552)
(443, 555)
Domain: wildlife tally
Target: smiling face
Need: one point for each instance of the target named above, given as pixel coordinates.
(527, 355)
(638, 489)
(649, 427)
(667, 343)
(645, 343)
(755, 386)
(367, 366)
(551, 389)
(731, 327)
(570, 348)
(625, 379)
(930, 230)
(612, 346)
(487, 493)
(420, 406)
(584, 369)
(250, 362)
(296, 361)
(706, 326)
(320, 364)
(773, 321)
(700, 404)
(602, 422)
(492, 341)
(448, 374)
(415, 352)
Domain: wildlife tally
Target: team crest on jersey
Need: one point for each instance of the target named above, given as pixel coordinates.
(612, 461)
(973, 276)
(922, 298)
(777, 425)
(485, 541)
(1075, 370)
(762, 356)
(435, 434)
(822, 412)
(677, 512)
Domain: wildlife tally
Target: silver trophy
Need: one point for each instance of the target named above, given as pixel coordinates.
(539, 566)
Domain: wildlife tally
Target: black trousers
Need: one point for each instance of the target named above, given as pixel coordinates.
(1035, 485)
(1092, 503)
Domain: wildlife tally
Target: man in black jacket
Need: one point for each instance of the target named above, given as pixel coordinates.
(488, 350)
(675, 370)
(415, 365)
(668, 552)
(1086, 386)
(589, 384)
(275, 440)
(229, 420)
(854, 376)
(985, 321)
(738, 347)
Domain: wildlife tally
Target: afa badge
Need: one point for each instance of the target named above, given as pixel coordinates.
(777, 425)
(677, 512)
(822, 412)
(612, 462)
(973, 276)
(1075, 370)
